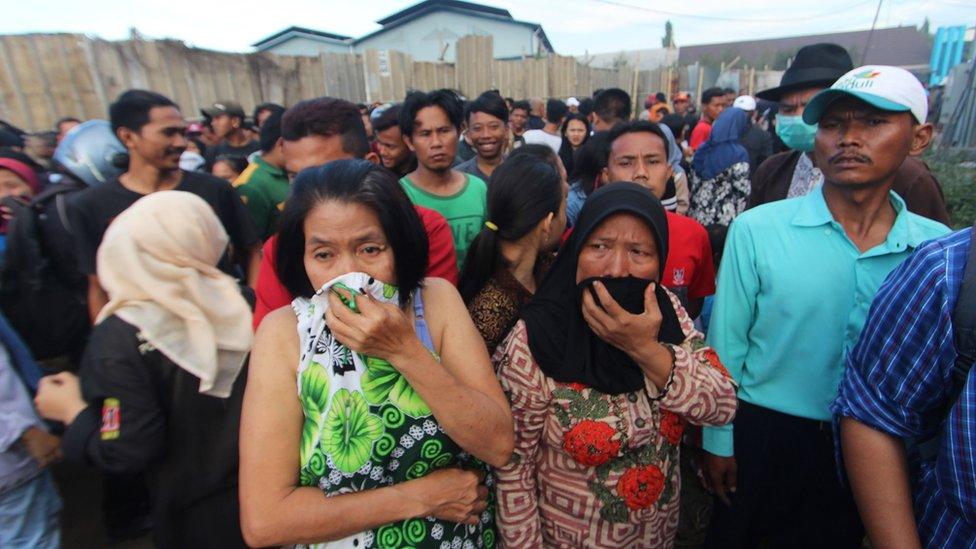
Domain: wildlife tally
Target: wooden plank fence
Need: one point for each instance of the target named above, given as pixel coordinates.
(44, 77)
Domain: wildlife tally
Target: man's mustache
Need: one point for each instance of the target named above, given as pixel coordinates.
(845, 156)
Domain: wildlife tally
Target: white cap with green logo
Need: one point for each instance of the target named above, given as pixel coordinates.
(887, 88)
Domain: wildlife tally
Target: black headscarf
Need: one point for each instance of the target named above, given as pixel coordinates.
(562, 343)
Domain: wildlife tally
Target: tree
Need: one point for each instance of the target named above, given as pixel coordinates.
(668, 40)
(925, 27)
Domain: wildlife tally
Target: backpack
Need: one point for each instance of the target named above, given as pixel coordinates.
(43, 296)
(926, 448)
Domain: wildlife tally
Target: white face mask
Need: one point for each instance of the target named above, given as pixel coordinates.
(191, 161)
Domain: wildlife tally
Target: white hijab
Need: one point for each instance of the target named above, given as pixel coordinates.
(157, 264)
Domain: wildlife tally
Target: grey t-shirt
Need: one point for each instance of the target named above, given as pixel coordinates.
(470, 166)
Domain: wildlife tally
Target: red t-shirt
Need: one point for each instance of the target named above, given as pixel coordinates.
(689, 270)
(271, 294)
(700, 134)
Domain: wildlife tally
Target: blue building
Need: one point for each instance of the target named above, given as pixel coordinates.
(427, 31)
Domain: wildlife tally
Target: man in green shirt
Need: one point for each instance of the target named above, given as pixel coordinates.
(263, 186)
(431, 124)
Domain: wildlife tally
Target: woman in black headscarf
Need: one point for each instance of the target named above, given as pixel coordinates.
(602, 371)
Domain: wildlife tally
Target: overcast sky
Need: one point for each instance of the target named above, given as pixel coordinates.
(574, 26)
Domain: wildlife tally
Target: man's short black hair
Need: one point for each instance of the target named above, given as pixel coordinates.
(585, 106)
(388, 117)
(327, 116)
(711, 93)
(727, 91)
(612, 105)
(131, 109)
(361, 182)
(522, 105)
(555, 111)
(676, 123)
(490, 103)
(271, 131)
(446, 99)
(273, 107)
(237, 162)
(637, 126)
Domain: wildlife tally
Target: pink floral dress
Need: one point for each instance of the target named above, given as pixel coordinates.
(596, 470)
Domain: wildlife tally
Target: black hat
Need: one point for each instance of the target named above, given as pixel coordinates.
(814, 65)
(230, 108)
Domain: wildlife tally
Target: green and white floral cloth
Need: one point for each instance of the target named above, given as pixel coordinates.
(365, 426)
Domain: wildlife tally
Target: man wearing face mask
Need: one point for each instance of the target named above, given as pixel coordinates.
(793, 173)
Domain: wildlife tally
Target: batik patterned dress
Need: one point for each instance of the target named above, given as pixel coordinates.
(717, 201)
(596, 470)
(366, 427)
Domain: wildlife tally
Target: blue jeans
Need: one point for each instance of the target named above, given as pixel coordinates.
(29, 515)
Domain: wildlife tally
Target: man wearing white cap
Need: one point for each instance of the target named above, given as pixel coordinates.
(573, 104)
(794, 172)
(797, 280)
(756, 141)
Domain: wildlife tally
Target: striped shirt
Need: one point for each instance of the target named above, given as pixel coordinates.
(897, 381)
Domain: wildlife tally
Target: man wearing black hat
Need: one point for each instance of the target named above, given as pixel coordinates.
(793, 173)
(227, 120)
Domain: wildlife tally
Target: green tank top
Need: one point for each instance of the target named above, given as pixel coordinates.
(365, 427)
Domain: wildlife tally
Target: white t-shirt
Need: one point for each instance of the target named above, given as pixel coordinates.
(540, 137)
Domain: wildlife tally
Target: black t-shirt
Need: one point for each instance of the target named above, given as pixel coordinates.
(90, 212)
(226, 149)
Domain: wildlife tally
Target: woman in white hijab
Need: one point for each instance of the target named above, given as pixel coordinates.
(160, 387)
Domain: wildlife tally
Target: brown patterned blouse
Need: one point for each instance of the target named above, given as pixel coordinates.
(495, 308)
(595, 470)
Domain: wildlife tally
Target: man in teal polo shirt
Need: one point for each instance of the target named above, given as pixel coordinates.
(263, 186)
(795, 285)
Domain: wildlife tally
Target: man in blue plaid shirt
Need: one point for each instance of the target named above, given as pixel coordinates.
(897, 388)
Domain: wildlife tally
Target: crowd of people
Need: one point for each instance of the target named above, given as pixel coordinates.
(492, 322)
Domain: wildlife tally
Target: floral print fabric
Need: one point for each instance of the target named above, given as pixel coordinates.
(717, 201)
(598, 470)
(806, 177)
(366, 427)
